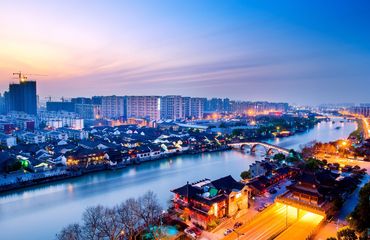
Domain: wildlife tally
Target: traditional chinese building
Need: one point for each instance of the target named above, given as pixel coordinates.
(206, 200)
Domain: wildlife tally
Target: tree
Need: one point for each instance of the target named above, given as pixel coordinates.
(71, 232)
(279, 157)
(149, 209)
(91, 221)
(237, 132)
(223, 125)
(338, 203)
(109, 226)
(120, 222)
(246, 175)
(313, 164)
(359, 219)
(346, 234)
(292, 159)
(127, 214)
(308, 152)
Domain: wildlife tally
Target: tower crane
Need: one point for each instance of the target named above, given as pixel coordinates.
(24, 76)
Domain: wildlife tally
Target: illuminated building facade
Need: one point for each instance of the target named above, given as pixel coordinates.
(206, 200)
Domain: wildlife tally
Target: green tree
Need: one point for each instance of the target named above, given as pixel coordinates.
(237, 132)
(359, 219)
(313, 164)
(246, 175)
(14, 165)
(292, 159)
(279, 157)
(223, 125)
(338, 203)
(346, 234)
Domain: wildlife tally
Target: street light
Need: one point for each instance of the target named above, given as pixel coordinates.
(121, 234)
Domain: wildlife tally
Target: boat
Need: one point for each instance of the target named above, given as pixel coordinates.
(337, 127)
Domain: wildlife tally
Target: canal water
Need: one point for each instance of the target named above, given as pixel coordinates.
(40, 212)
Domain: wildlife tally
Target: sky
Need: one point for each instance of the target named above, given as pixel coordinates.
(303, 52)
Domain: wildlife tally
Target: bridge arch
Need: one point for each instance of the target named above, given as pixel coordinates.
(254, 147)
(269, 148)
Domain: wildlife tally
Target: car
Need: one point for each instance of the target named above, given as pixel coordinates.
(190, 233)
(272, 191)
(227, 232)
(266, 204)
(237, 225)
(197, 231)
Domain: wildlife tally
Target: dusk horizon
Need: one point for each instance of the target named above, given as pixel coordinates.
(244, 50)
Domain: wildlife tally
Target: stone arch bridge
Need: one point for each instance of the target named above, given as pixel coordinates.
(270, 149)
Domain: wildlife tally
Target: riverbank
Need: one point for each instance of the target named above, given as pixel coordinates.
(19, 180)
(22, 180)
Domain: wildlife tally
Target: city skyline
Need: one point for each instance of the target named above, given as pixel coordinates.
(282, 52)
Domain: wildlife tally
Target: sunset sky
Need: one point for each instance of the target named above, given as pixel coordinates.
(304, 52)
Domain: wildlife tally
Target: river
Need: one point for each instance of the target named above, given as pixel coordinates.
(40, 212)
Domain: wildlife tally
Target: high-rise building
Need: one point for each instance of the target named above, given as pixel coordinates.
(363, 110)
(226, 105)
(22, 97)
(186, 104)
(60, 106)
(113, 107)
(172, 107)
(2, 105)
(88, 110)
(197, 107)
(143, 107)
(214, 105)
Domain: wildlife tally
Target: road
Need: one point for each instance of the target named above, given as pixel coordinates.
(366, 127)
(302, 228)
(270, 222)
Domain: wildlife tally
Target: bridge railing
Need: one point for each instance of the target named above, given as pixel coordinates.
(266, 145)
(310, 207)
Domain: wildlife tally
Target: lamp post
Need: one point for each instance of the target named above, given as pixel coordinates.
(121, 235)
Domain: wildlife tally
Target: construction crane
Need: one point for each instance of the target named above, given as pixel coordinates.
(23, 76)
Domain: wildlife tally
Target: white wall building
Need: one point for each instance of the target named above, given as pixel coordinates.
(32, 138)
(113, 107)
(7, 140)
(61, 119)
(172, 107)
(143, 106)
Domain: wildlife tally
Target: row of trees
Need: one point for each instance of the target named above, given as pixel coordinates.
(359, 219)
(340, 147)
(345, 234)
(123, 221)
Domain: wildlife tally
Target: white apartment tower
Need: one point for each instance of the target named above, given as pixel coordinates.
(143, 107)
(172, 107)
(113, 107)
